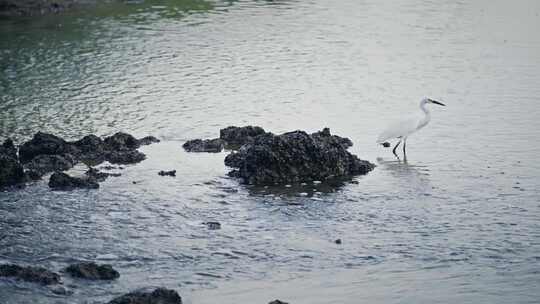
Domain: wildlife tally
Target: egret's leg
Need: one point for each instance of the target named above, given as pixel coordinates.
(404, 151)
(394, 150)
(404, 144)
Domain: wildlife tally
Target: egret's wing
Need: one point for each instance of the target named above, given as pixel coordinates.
(398, 129)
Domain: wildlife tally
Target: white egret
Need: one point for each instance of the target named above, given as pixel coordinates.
(404, 128)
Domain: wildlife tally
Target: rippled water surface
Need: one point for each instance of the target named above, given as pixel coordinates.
(458, 223)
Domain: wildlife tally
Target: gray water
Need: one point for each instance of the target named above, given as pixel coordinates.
(458, 223)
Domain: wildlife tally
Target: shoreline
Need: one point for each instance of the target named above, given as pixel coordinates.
(33, 8)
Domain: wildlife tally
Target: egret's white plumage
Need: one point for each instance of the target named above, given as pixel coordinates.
(404, 128)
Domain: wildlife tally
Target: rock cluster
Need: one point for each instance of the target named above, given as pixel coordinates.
(267, 159)
(295, 157)
(29, 274)
(46, 153)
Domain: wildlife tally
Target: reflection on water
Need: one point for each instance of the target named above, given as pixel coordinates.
(460, 216)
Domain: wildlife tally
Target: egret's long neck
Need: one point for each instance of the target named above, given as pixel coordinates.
(427, 116)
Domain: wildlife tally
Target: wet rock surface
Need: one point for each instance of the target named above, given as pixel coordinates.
(62, 181)
(29, 274)
(204, 145)
(240, 135)
(157, 296)
(92, 271)
(295, 157)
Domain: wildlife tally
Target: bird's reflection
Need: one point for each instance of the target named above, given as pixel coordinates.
(415, 177)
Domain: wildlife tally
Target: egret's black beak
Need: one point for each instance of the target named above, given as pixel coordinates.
(436, 102)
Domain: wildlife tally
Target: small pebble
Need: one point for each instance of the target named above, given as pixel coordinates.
(338, 241)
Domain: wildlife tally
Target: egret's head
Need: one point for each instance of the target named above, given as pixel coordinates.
(428, 100)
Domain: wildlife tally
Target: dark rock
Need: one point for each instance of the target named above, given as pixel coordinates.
(213, 225)
(92, 149)
(148, 140)
(29, 274)
(338, 241)
(278, 302)
(45, 163)
(240, 135)
(62, 181)
(43, 143)
(207, 145)
(167, 173)
(92, 271)
(325, 133)
(31, 175)
(99, 176)
(11, 171)
(386, 144)
(295, 157)
(234, 160)
(124, 157)
(8, 148)
(157, 296)
(121, 141)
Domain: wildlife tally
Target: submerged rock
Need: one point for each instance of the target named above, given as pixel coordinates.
(240, 135)
(29, 274)
(157, 296)
(213, 225)
(11, 171)
(278, 302)
(62, 181)
(295, 157)
(204, 145)
(92, 271)
(167, 173)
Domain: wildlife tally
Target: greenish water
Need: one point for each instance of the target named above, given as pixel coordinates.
(458, 223)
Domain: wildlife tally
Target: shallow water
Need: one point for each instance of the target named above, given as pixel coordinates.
(457, 223)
